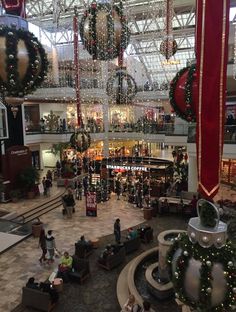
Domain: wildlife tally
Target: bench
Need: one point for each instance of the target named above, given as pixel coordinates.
(37, 299)
(132, 245)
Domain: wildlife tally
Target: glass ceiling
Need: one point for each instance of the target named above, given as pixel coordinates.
(147, 24)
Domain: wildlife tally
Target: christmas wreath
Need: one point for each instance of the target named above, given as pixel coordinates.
(116, 87)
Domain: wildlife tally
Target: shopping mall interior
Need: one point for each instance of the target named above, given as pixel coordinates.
(118, 155)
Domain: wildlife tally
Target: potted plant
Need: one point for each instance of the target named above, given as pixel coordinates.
(14, 194)
(27, 179)
(36, 228)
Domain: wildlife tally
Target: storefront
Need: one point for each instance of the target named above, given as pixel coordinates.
(228, 171)
(156, 171)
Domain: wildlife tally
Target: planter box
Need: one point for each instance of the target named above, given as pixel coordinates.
(36, 229)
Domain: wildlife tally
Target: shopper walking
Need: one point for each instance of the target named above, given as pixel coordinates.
(42, 245)
(117, 231)
(69, 203)
(51, 246)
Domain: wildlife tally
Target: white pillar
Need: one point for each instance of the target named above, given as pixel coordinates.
(105, 109)
(41, 157)
(192, 174)
(55, 66)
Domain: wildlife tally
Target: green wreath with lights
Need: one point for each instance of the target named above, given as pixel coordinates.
(207, 257)
(189, 113)
(91, 43)
(80, 140)
(32, 79)
(122, 97)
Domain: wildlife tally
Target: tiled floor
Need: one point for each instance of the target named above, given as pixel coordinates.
(21, 262)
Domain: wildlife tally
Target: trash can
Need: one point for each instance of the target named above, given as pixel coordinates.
(147, 213)
(36, 228)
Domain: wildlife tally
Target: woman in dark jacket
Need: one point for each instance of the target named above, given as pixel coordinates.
(69, 203)
(42, 245)
(117, 230)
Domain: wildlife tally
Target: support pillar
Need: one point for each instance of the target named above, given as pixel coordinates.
(192, 174)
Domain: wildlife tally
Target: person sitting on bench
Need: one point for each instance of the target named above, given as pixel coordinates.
(143, 230)
(108, 251)
(132, 233)
(88, 245)
(44, 287)
(65, 266)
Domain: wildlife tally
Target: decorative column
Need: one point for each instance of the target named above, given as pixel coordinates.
(192, 174)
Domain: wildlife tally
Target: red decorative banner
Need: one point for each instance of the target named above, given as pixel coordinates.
(14, 7)
(212, 53)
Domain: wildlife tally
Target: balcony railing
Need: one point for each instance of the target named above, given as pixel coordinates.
(229, 134)
(145, 128)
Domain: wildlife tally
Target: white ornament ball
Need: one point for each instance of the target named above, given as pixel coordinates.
(185, 253)
(230, 264)
(176, 274)
(205, 239)
(209, 290)
(11, 56)
(208, 263)
(234, 290)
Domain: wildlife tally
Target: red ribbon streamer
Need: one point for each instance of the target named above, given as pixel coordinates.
(212, 52)
(14, 7)
(76, 66)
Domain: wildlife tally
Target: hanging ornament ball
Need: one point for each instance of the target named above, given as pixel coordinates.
(168, 47)
(206, 275)
(19, 57)
(186, 253)
(80, 140)
(121, 87)
(183, 93)
(192, 283)
(104, 31)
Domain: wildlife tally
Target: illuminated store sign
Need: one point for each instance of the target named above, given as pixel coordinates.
(132, 168)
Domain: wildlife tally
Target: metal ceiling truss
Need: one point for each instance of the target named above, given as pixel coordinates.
(145, 20)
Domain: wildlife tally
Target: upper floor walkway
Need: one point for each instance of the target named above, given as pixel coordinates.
(168, 134)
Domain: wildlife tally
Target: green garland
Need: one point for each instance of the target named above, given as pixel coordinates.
(123, 97)
(37, 56)
(208, 216)
(110, 51)
(83, 146)
(207, 256)
(189, 114)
